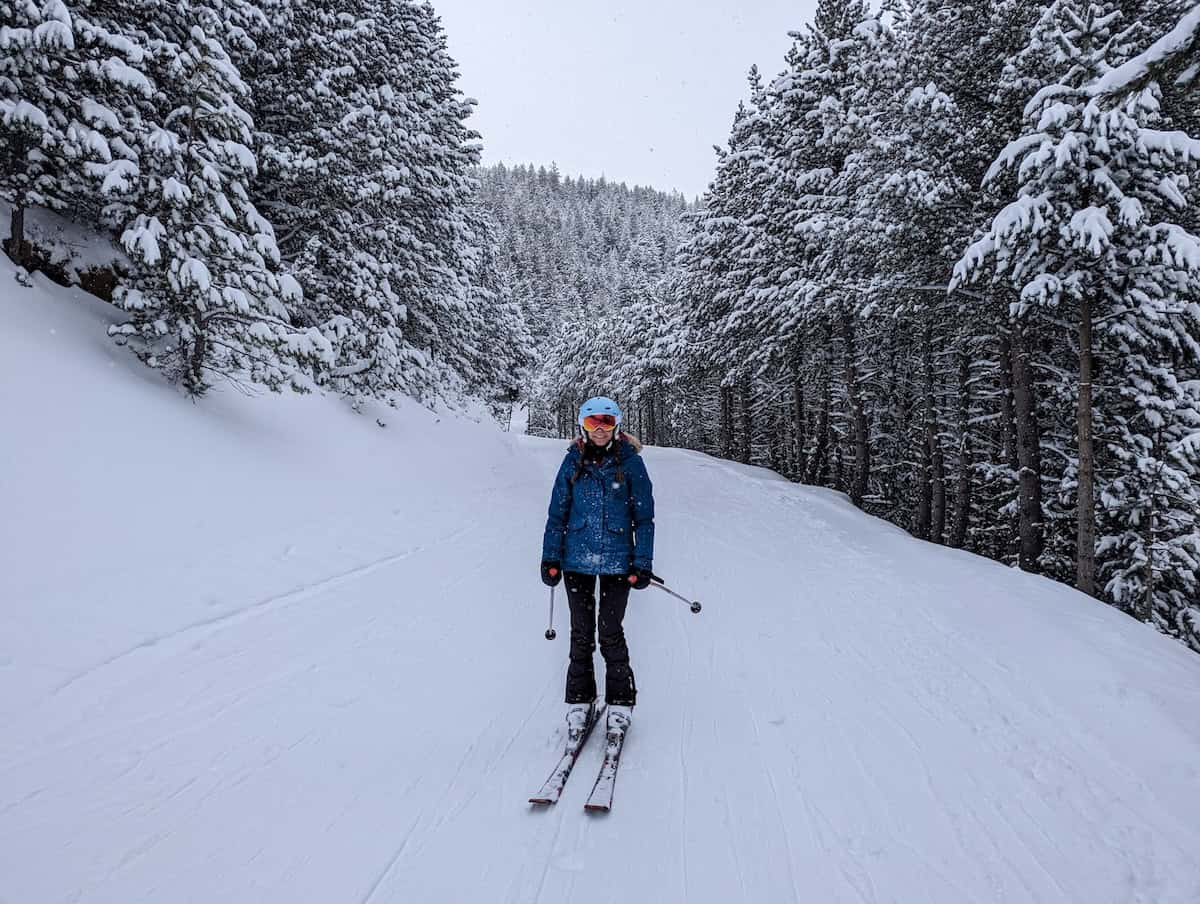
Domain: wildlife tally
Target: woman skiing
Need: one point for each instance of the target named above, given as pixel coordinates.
(600, 527)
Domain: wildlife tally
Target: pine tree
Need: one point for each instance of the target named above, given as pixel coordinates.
(810, 298)
(1083, 237)
(491, 345)
(71, 83)
(207, 300)
(368, 173)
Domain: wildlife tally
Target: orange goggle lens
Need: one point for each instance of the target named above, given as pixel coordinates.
(598, 421)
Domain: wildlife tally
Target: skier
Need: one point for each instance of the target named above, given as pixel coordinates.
(600, 525)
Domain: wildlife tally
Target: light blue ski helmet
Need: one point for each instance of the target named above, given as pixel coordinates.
(599, 405)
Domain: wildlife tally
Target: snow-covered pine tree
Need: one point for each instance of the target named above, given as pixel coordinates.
(206, 300)
(795, 293)
(722, 342)
(71, 84)
(367, 163)
(913, 184)
(636, 365)
(578, 361)
(35, 104)
(331, 163)
(489, 346)
(893, 214)
(1084, 237)
(857, 68)
(431, 233)
(1166, 78)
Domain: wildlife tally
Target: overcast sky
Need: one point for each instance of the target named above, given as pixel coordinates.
(636, 91)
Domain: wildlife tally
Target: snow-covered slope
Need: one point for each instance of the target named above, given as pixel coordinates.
(264, 650)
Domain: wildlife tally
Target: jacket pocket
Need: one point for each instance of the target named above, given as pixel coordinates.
(616, 516)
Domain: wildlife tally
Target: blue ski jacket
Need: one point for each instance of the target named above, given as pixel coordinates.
(601, 518)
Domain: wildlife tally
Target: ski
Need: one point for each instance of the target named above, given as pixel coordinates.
(601, 798)
(552, 790)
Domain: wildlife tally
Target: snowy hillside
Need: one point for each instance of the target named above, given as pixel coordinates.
(265, 650)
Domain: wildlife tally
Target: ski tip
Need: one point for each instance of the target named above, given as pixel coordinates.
(596, 808)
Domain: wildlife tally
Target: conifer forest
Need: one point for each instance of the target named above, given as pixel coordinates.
(948, 262)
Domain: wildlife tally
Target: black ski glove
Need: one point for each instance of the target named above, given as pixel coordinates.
(551, 574)
(640, 578)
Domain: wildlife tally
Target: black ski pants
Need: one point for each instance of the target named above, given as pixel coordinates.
(619, 687)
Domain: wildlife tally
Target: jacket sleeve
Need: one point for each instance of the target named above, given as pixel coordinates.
(641, 495)
(560, 510)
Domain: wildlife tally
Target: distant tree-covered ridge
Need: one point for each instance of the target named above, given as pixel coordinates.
(576, 247)
(588, 260)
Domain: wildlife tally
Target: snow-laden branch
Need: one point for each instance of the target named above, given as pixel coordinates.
(1181, 40)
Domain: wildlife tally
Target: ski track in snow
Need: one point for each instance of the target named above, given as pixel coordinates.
(855, 717)
(287, 598)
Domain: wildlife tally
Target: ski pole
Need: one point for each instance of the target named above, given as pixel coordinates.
(658, 582)
(550, 632)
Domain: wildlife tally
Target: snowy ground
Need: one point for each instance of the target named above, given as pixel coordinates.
(263, 650)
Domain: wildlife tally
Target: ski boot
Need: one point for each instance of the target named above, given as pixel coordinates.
(619, 718)
(579, 717)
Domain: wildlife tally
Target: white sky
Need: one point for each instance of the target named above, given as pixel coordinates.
(636, 91)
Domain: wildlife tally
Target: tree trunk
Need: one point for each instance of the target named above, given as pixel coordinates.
(933, 433)
(1006, 545)
(776, 444)
(744, 450)
(1030, 525)
(798, 436)
(890, 425)
(962, 495)
(937, 521)
(1008, 437)
(726, 422)
(1085, 521)
(18, 247)
(652, 412)
(924, 523)
(662, 426)
(1146, 603)
(858, 416)
(818, 465)
(193, 379)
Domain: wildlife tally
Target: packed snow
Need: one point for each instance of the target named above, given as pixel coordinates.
(267, 648)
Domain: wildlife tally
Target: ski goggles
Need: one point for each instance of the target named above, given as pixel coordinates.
(599, 422)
